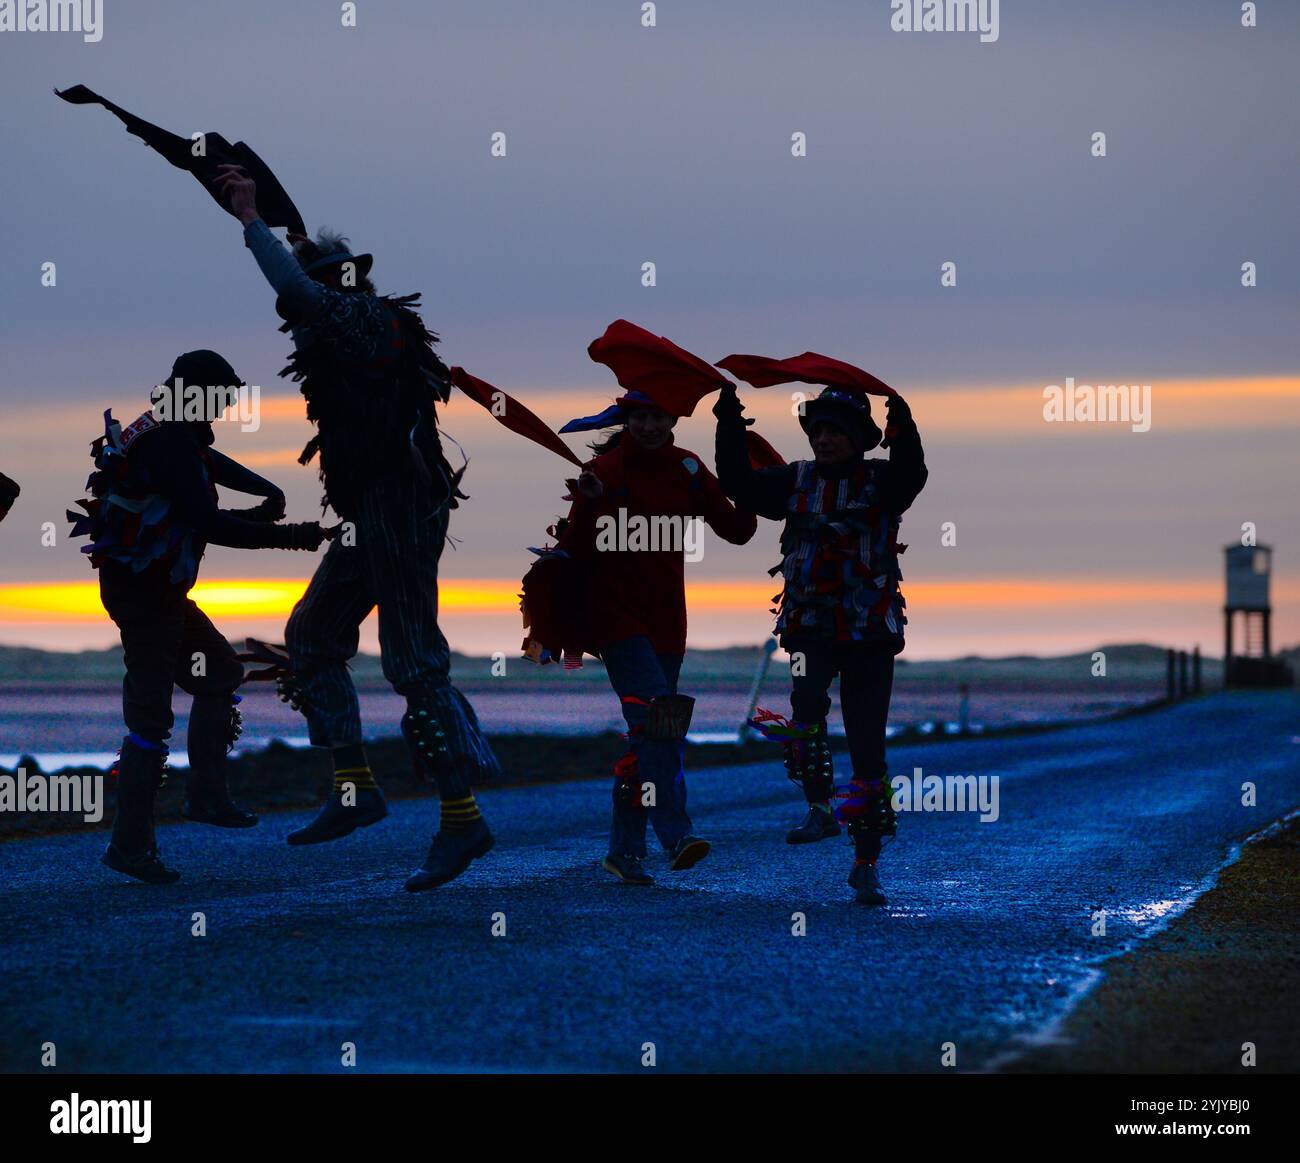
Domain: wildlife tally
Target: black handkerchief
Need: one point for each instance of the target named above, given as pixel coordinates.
(276, 207)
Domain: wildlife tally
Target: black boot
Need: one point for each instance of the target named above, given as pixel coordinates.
(865, 882)
(628, 869)
(808, 763)
(689, 852)
(215, 724)
(336, 819)
(450, 853)
(818, 824)
(133, 849)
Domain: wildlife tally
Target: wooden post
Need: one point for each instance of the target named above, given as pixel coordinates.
(1196, 669)
(1227, 648)
(1169, 674)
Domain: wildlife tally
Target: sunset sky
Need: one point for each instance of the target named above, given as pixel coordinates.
(672, 145)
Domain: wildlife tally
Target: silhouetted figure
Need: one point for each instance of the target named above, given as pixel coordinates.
(9, 491)
(841, 609)
(371, 379)
(632, 588)
(153, 513)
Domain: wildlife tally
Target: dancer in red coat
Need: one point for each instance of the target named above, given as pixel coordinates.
(639, 510)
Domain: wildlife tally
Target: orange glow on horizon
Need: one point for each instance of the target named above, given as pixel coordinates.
(70, 602)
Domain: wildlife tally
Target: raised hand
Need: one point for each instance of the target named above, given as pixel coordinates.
(240, 192)
(728, 405)
(898, 414)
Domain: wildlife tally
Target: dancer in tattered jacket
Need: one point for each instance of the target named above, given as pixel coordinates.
(152, 514)
(841, 609)
(371, 380)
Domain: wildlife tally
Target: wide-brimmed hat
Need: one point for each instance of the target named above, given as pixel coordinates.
(327, 250)
(847, 411)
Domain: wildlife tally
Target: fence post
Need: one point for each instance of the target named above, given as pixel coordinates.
(1169, 675)
(769, 649)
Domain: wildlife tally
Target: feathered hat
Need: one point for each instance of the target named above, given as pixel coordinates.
(653, 372)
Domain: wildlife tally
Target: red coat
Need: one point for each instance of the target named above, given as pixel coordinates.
(642, 591)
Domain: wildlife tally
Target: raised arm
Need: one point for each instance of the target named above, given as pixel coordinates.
(763, 491)
(907, 474)
(302, 296)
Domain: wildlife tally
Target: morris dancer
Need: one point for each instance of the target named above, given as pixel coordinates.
(154, 512)
(841, 609)
(629, 600)
(371, 380)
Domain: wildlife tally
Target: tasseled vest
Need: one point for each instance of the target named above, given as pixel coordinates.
(840, 560)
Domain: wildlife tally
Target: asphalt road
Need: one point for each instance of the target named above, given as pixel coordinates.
(987, 937)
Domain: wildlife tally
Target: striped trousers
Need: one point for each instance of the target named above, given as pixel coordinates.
(391, 563)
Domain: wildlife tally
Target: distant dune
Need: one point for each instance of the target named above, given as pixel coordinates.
(1127, 662)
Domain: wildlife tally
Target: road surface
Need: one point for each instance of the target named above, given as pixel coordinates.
(988, 935)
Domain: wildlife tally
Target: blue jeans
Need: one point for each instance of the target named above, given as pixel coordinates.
(637, 672)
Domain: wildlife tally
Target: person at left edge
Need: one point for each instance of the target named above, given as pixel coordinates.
(152, 514)
(9, 491)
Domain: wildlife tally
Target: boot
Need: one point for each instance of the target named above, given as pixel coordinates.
(133, 849)
(689, 852)
(336, 819)
(215, 724)
(818, 824)
(628, 869)
(450, 853)
(808, 762)
(865, 881)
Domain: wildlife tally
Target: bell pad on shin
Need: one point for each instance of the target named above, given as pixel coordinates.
(865, 807)
(808, 760)
(426, 738)
(236, 728)
(288, 689)
(669, 718)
